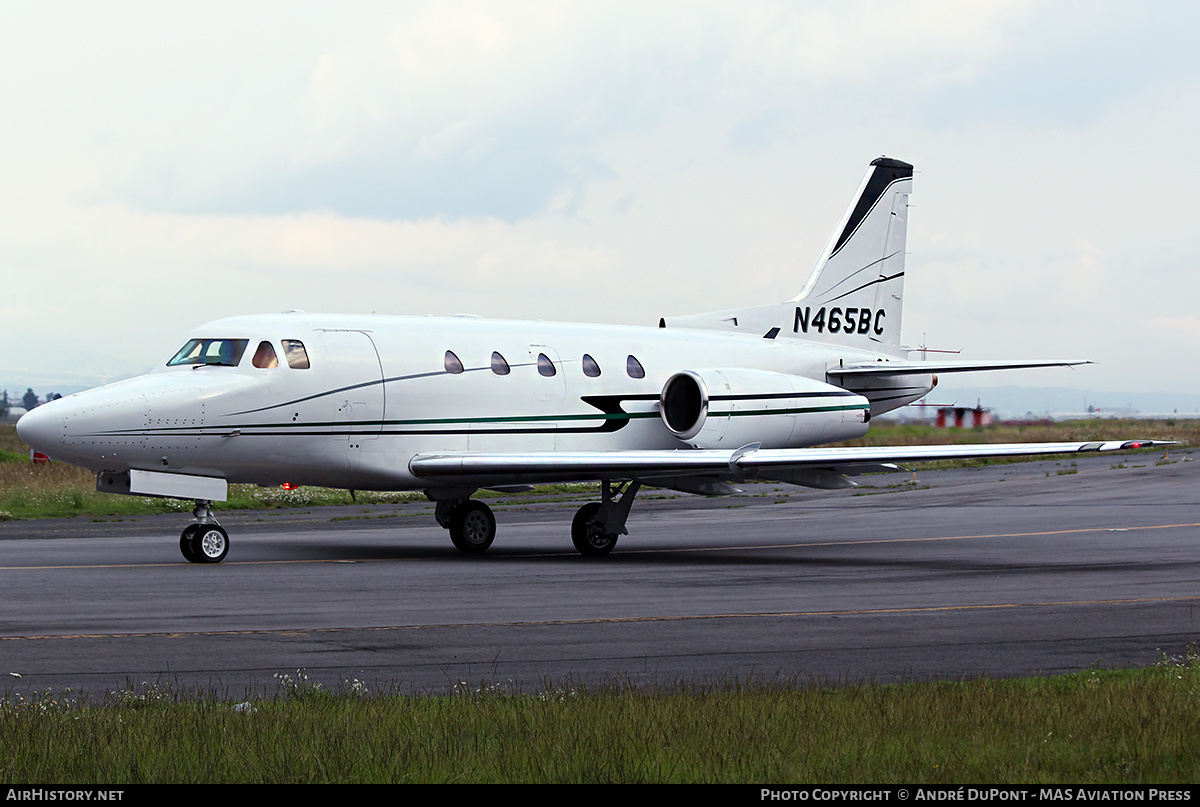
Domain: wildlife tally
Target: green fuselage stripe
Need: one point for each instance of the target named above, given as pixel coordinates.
(480, 420)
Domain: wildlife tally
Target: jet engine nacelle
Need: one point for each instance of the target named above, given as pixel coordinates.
(729, 408)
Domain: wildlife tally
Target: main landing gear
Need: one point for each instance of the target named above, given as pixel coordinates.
(471, 523)
(597, 525)
(594, 530)
(206, 541)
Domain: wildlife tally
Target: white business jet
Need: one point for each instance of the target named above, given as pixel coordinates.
(453, 405)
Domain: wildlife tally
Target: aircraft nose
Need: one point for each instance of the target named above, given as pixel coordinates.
(42, 428)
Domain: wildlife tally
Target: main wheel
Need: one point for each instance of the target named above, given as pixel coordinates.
(210, 543)
(586, 536)
(186, 543)
(472, 527)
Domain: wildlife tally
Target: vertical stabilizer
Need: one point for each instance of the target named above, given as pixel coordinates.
(855, 293)
(857, 287)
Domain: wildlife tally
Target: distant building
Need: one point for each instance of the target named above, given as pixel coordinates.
(956, 416)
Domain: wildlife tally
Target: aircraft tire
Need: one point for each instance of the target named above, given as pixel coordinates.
(472, 527)
(210, 543)
(186, 543)
(588, 539)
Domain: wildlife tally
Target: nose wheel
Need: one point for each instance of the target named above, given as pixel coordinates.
(206, 541)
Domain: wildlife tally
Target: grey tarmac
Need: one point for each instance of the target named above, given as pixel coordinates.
(1003, 570)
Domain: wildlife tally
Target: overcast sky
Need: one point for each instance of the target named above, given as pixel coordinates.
(165, 164)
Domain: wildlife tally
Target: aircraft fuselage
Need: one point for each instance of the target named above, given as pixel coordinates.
(379, 390)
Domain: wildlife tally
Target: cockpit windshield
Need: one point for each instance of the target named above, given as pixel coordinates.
(225, 352)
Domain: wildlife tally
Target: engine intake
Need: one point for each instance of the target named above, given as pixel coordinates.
(685, 404)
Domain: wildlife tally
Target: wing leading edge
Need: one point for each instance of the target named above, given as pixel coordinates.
(485, 469)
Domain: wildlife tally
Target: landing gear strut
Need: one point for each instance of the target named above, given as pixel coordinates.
(471, 523)
(594, 530)
(597, 525)
(206, 541)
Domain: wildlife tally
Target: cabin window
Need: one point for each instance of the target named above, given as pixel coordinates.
(545, 366)
(452, 363)
(634, 368)
(225, 352)
(590, 368)
(297, 356)
(499, 365)
(264, 357)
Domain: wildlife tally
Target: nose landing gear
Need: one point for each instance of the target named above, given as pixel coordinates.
(206, 541)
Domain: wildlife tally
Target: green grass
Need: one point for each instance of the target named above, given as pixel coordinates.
(892, 433)
(1090, 727)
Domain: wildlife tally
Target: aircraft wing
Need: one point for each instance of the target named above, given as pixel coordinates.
(922, 367)
(483, 469)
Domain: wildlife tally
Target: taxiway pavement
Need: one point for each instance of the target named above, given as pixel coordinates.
(1022, 569)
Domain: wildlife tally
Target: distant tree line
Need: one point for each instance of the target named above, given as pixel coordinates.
(29, 400)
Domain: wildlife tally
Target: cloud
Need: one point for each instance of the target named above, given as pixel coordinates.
(467, 110)
(603, 162)
(450, 110)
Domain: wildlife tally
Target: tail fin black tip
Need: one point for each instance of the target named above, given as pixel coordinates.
(886, 172)
(902, 169)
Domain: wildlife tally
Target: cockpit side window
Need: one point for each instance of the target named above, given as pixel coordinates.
(297, 356)
(264, 357)
(224, 352)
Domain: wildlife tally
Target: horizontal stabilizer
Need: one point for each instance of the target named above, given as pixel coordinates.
(924, 367)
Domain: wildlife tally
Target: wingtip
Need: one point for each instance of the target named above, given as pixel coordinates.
(1149, 443)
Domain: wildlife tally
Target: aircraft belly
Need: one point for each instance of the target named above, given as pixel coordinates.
(274, 460)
